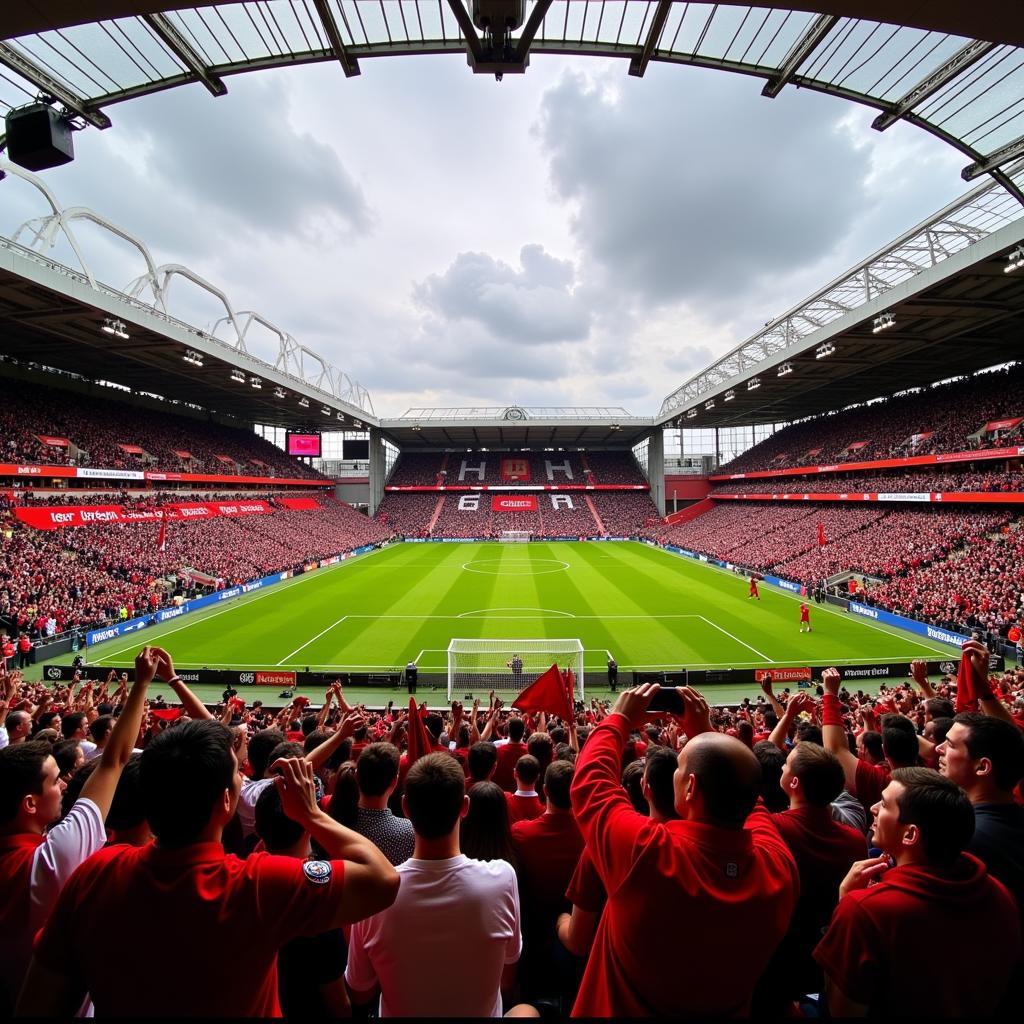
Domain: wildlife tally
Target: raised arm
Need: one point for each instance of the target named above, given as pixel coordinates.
(801, 702)
(193, 706)
(320, 754)
(766, 689)
(919, 673)
(833, 733)
(988, 702)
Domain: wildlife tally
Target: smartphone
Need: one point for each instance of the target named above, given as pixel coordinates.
(667, 699)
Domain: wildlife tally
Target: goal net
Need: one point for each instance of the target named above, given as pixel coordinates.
(475, 667)
(515, 536)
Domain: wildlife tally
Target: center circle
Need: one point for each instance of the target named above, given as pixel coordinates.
(502, 567)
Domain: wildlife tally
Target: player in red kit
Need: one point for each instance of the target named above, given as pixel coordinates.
(753, 589)
(805, 618)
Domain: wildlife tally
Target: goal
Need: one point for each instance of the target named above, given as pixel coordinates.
(515, 536)
(475, 667)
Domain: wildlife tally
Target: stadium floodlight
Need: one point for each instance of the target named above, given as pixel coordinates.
(325, 410)
(753, 384)
(615, 426)
(341, 417)
(115, 327)
(1015, 260)
(709, 404)
(238, 377)
(416, 427)
(824, 350)
(691, 414)
(357, 423)
(256, 382)
(304, 402)
(193, 357)
(730, 395)
(279, 393)
(883, 322)
(785, 368)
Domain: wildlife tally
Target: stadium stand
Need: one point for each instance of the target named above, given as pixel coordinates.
(408, 514)
(984, 481)
(562, 521)
(953, 415)
(624, 513)
(96, 431)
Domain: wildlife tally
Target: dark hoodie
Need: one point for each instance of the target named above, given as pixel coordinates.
(925, 941)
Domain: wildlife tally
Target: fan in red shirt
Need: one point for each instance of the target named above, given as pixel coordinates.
(510, 752)
(524, 804)
(732, 880)
(879, 953)
(548, 848)
(824, 850)
(183, 901)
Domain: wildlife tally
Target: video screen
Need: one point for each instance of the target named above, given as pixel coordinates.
(304, 445)
(355, 450)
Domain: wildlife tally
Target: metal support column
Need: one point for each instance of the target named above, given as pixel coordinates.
(376, 470)
(656, 469)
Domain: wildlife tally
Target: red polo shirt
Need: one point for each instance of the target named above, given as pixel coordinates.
(212, 921)
(734, 890)
(880, 949)
(523, 808)
(16, 852)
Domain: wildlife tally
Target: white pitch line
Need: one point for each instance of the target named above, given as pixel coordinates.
(738, 640)
(308, 642)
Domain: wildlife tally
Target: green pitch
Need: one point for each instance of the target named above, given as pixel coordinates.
(648, 608)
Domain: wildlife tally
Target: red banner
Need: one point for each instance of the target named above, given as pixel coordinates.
(1001, 425)
(515, 469)
(226, 459)
(519, 503)
(284, 679)
(507, 487)
(944, 497)
(300, 504)
(782, 675)
(55, 518)
(54, 442)
(850, 467)
(856, 446)
(183, 454)
(813, 451)
(131, 449)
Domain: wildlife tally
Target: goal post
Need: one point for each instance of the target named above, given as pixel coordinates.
(515, 536)
(475, 667)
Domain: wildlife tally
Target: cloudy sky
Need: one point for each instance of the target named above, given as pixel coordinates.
(572, 236)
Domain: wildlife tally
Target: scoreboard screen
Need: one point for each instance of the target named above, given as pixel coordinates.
(304, 445)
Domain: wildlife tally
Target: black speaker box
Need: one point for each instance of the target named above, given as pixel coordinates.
(38, 138)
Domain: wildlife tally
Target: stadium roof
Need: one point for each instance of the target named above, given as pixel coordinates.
(955, 69)
(954, 309)
(517, 427)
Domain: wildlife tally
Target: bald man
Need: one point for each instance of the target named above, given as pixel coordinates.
(720, 881)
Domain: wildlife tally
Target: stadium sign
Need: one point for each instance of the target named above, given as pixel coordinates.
(286, 679)
(521, 503)
(782, 675)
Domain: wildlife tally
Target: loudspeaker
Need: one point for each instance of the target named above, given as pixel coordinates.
(38, 137)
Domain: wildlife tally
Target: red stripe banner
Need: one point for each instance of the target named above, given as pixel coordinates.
(56, 518)
(518, 503)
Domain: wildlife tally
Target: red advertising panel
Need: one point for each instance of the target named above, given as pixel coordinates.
(55, 518)
(516, 503)
(303, 445)
(515, 469)
(782, 675)
(285, 679)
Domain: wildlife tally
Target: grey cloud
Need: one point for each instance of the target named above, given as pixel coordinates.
(530, 305)
(686, 187)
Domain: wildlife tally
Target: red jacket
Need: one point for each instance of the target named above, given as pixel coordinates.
(724, 899)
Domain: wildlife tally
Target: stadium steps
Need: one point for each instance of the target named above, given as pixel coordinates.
(594, 513)
(436, 515)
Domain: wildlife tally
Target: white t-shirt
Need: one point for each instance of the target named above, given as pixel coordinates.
(448, 912)
(251, 790)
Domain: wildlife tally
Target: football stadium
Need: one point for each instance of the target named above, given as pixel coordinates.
(486, 624)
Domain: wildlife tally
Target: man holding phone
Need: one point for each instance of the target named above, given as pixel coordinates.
(721, 873)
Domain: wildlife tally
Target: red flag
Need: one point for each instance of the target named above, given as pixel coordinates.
(419, 741)
(161, 540)
(969, 686)
(821, 534)
(166, 714)
(546, 693)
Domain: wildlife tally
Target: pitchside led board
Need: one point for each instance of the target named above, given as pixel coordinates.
(306, 446)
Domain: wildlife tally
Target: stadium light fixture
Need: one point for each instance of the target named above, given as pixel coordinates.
(325, 410)
(304, 402)
(1015, 260)
(785, 368)
(730, 395)
(883, 322)
(753, 384)
(341, 417)
(357, 423)
(279, 393)
(824, 350)
(193, 357)
(115, 327)
(416, 427)
(691, 414)
(238, 377)
(709, 404)
(256, 382)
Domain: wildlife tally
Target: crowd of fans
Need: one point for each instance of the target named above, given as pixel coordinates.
(96, 429)
(625, 513)
(791, 856)
(923, 481)
(86, 576)
(953, 415)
